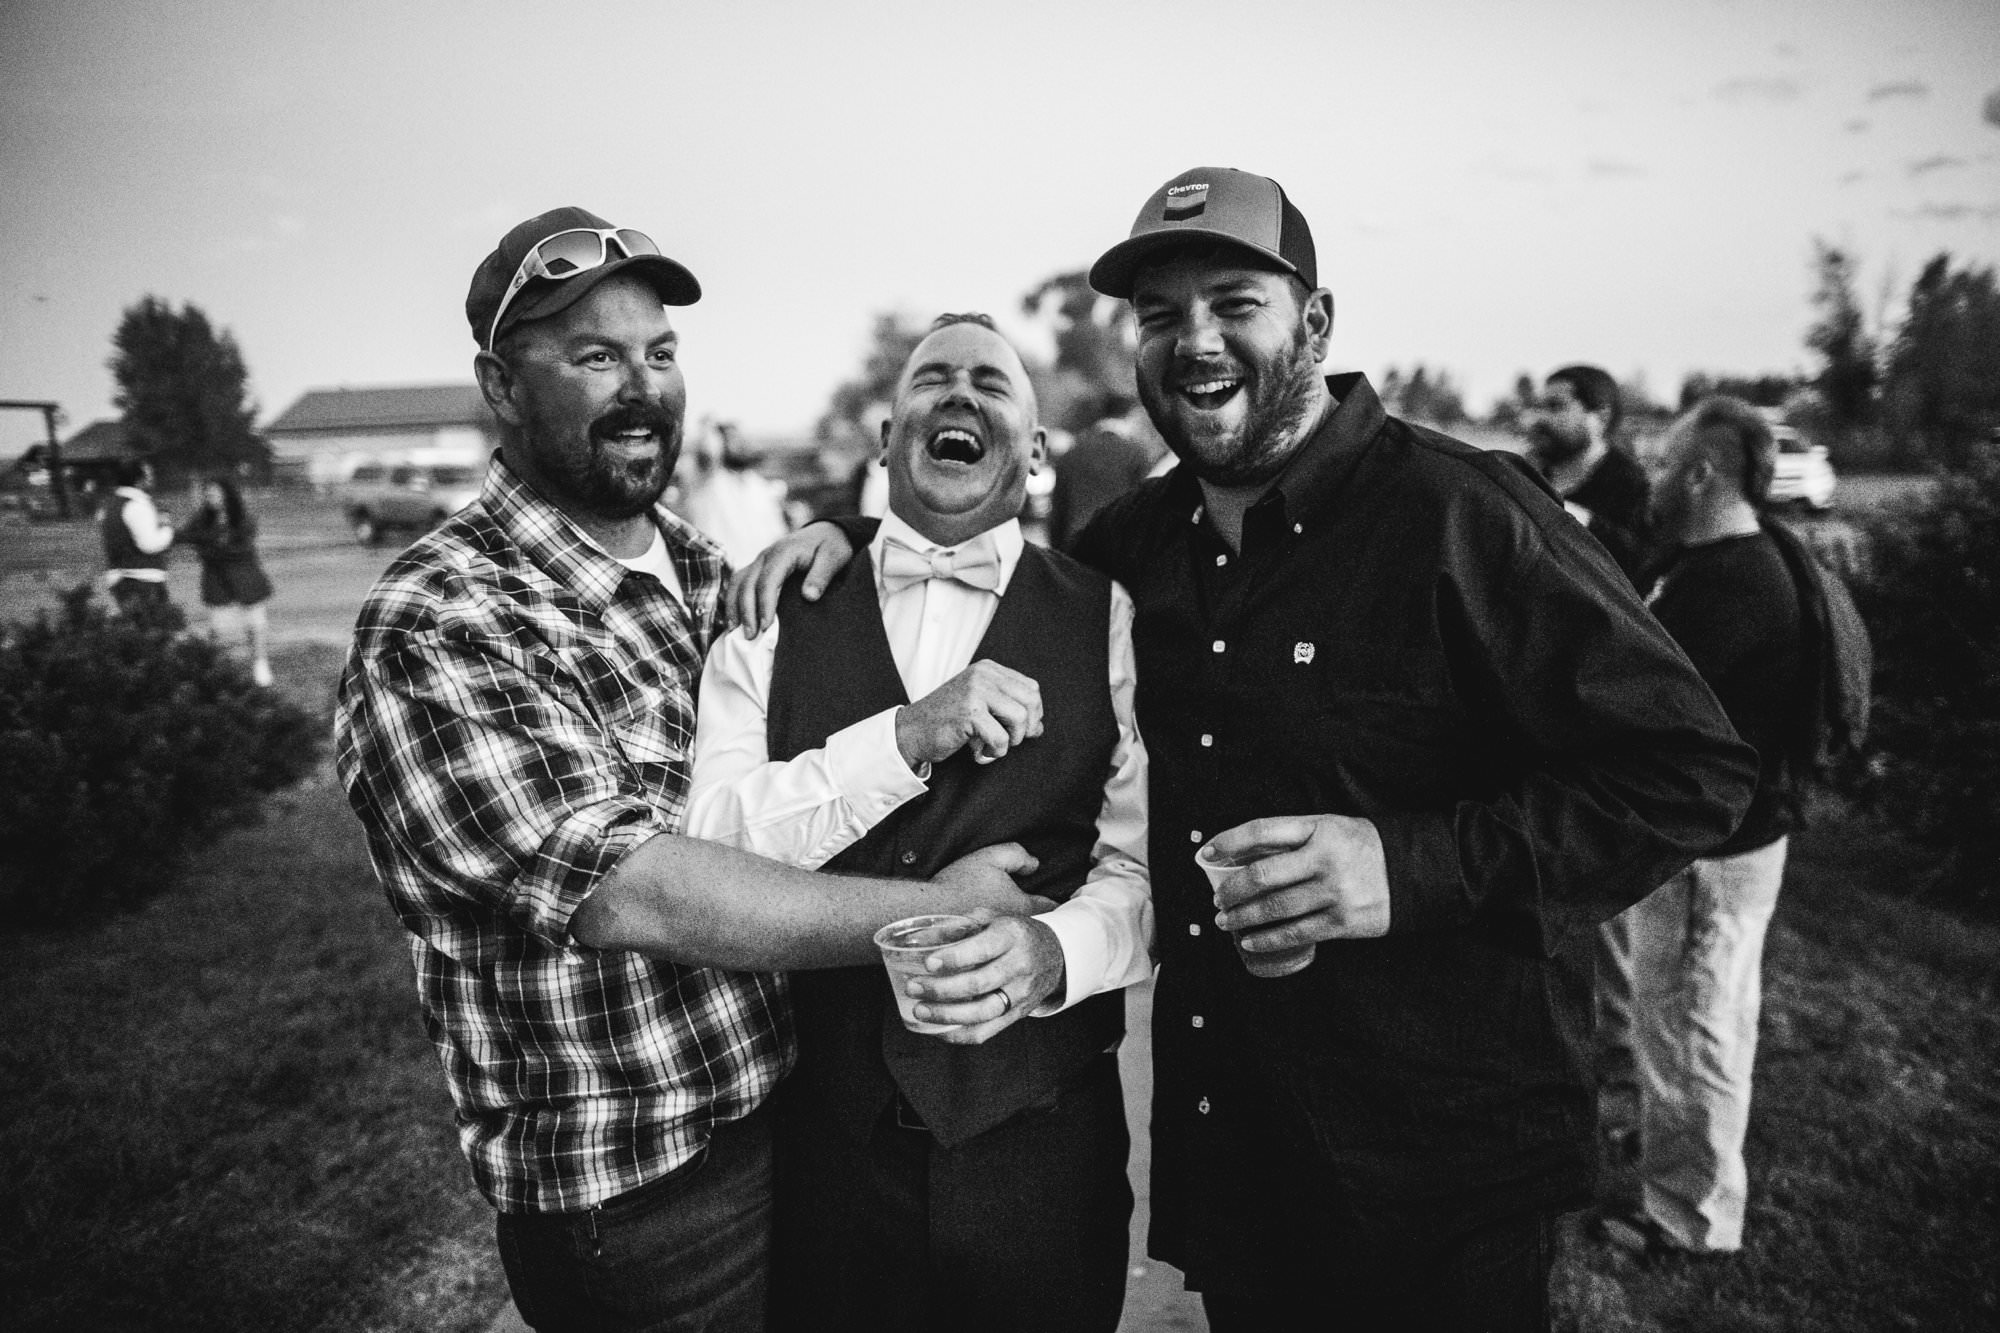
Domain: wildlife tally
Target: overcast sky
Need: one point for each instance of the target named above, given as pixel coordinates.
(1495, 186)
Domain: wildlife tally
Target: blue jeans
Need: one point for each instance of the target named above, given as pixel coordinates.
(688, 1253)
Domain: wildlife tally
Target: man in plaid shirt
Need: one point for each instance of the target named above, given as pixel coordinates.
(515, 729)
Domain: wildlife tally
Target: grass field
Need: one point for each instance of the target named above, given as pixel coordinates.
(221, 1113)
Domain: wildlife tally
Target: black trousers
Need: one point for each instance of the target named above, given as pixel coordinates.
(1023, 1228)
(1492, 1279)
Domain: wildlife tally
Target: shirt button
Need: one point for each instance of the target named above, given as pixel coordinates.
(1202, 1106)
(1196, 1020)
(1222, 560)
(909, 858)
(1193, 929)
(1298, 528)
(1207, 739)
(1215, 647)
(1194, 835)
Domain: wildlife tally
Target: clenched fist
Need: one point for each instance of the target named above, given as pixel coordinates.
(988, 706)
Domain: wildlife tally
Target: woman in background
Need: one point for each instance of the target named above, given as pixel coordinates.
(234, 587)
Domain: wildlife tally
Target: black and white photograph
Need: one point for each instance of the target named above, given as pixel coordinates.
(1094, 667)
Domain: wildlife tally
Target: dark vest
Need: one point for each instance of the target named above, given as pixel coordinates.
(120, 551)
(832, 668)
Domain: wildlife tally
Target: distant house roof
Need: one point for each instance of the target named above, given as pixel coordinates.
(99, 442)
(397, 408)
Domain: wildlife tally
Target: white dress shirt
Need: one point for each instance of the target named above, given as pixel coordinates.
(806, 810)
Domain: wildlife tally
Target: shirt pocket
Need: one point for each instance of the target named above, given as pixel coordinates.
(647, 720)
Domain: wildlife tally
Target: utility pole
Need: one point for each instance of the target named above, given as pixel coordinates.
(52, 458)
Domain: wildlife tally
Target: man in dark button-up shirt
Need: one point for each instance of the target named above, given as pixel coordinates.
(1396, 656)
(1394, 662)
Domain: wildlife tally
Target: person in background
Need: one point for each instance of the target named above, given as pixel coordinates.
(136, 538)
(234, 586)
(1120, 450)
(1570, 440)
(1572, 432)
(974, 1180)
(1434, 728)
(725, 496)
(1697, 942)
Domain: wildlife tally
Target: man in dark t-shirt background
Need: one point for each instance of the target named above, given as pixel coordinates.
(1729, 600)
(1571, 434)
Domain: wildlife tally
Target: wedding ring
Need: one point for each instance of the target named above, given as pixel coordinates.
(1006, 1003)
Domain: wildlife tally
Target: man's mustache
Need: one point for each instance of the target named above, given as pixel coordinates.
(620, 419)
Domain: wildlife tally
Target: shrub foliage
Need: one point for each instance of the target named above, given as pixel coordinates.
(126, 743)
(1930, 591)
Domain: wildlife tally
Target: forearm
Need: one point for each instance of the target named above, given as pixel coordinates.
(705, 905)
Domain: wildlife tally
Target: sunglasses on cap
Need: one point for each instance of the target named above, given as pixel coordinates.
(568, 253)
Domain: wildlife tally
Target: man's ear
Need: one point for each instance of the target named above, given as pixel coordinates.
(882, 456)
(497, 383)
(1319, 321)
(1038, 450)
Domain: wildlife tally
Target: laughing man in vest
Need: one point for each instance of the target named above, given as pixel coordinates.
(974, 1180)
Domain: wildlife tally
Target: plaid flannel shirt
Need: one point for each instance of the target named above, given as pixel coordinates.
(517, 713)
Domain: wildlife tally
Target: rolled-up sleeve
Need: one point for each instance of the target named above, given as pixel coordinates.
(494, 776)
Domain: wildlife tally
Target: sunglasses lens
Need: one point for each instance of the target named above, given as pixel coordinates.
(637, 243)
(568, 251)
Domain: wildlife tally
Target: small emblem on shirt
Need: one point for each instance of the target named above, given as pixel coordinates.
(1302, 653)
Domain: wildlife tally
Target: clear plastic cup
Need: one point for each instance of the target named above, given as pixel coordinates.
(905, 945)
(1263, 962)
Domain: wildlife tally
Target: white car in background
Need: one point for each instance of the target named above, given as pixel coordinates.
(411, 497)
(1804, 474)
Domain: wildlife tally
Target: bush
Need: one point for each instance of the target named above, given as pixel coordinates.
(126, 743)
(1930, 591)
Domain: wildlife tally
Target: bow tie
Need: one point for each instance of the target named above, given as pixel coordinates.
(976, 564)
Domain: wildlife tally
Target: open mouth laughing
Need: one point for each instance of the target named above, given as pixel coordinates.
(955, 444)
(1212, 392)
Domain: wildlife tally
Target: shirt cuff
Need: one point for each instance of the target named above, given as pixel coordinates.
(867, 765)
(1084, 956)
(1426, 888)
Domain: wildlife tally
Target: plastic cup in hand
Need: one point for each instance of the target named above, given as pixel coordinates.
(1263, 962)
(906, 944)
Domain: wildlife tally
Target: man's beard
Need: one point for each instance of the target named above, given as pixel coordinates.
(1280, 397)
(1550, 446)
(603, 486)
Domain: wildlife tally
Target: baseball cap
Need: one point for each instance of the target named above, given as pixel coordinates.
(1214, 205)
(542, 297)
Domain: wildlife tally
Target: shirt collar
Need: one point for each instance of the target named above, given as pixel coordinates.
(557, 546)
(1007, 540)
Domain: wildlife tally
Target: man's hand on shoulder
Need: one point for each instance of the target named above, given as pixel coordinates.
(820, 549)
(991, 707)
